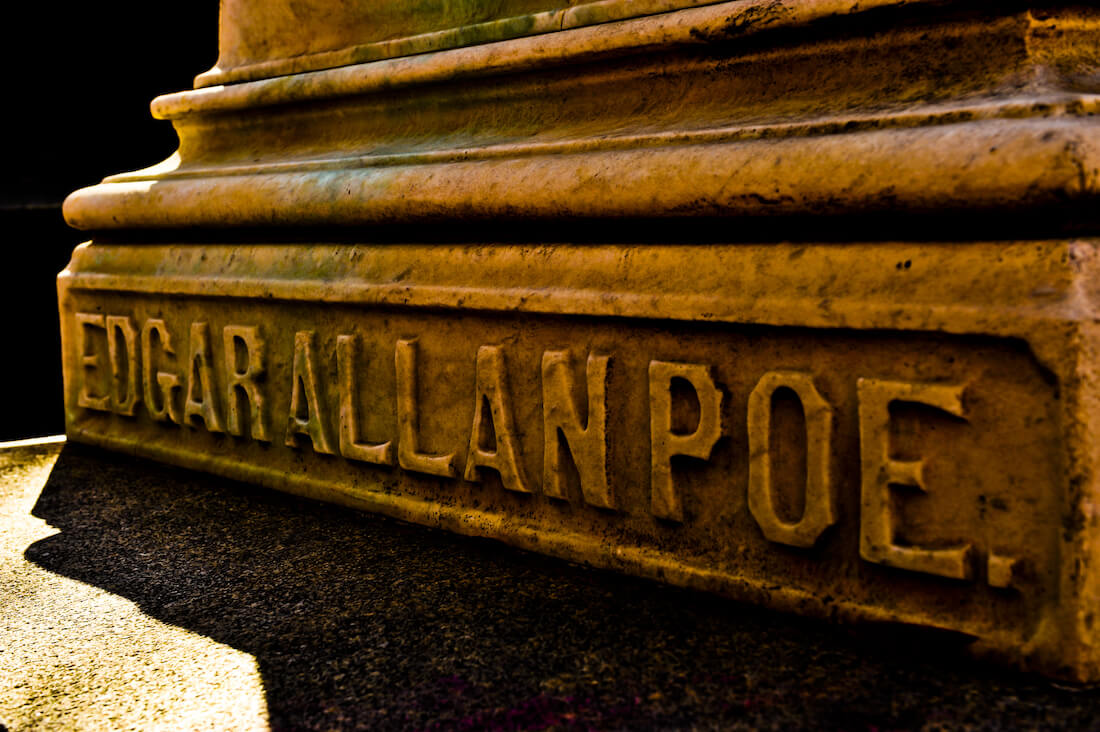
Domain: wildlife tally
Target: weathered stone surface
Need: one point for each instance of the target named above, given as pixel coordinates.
(679, 114)
(393, 378)
(889, 414)
(261, 39)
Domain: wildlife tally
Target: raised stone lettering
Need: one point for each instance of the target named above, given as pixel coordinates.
(666, 501)
(409, 456)
(347, 348)
(880, 472)
(561, 422)
(124, 370)
(1001, 571)
(201, 397)
(492, 392)
(89, 362)
(307, 410)
(168, 383)
(244, 368)
(820, 500)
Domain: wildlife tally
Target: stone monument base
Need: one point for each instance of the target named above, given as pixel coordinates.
(805, 312)
(858, 431)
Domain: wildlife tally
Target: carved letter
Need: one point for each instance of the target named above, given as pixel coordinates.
(169, 383)
(200, 382)
(880, 471)
(562, 422)
(409, 456)
(347, 347)
(820, 504)
(243, 377)
(664, 443)
(89, 361)
(117, 324)
(307, 412)
(1001, 571)
(492, 390)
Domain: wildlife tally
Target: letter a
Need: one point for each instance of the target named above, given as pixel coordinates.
(306, 410)
(491, 390)
(200, 382)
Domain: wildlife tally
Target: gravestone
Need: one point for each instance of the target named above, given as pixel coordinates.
(790, 301)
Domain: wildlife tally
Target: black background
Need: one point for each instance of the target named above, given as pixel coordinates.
(80, 78)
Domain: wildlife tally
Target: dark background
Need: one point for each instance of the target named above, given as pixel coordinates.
(80, 76)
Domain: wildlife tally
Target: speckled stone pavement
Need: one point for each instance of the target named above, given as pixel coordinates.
(138, 596)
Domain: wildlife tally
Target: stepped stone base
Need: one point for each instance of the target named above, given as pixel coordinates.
(804, 309)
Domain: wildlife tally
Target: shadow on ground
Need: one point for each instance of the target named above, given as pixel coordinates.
(360, 621)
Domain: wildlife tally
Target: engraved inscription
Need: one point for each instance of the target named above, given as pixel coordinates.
(409, 456)
(201, 398)
(562, 428)
(347, 349)
(244, 369)
(160, 387)
(126, 366)
(665, 443)
(306, 408)
(122, 353)
(1001, 571)
(89, 361)
(880, 472)
(493, 424)
(820, 502)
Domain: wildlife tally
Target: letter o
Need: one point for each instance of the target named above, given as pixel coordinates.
(820, 504)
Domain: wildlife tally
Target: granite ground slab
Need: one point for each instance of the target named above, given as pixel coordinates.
(145, 596)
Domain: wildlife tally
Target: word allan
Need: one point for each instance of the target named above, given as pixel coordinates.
(493, 444)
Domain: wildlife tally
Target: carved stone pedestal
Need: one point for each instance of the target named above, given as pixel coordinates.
(790, 301)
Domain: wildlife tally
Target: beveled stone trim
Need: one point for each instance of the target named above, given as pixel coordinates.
(1038, 107)
(740, 17)
(986, 165)
(1022, 290)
